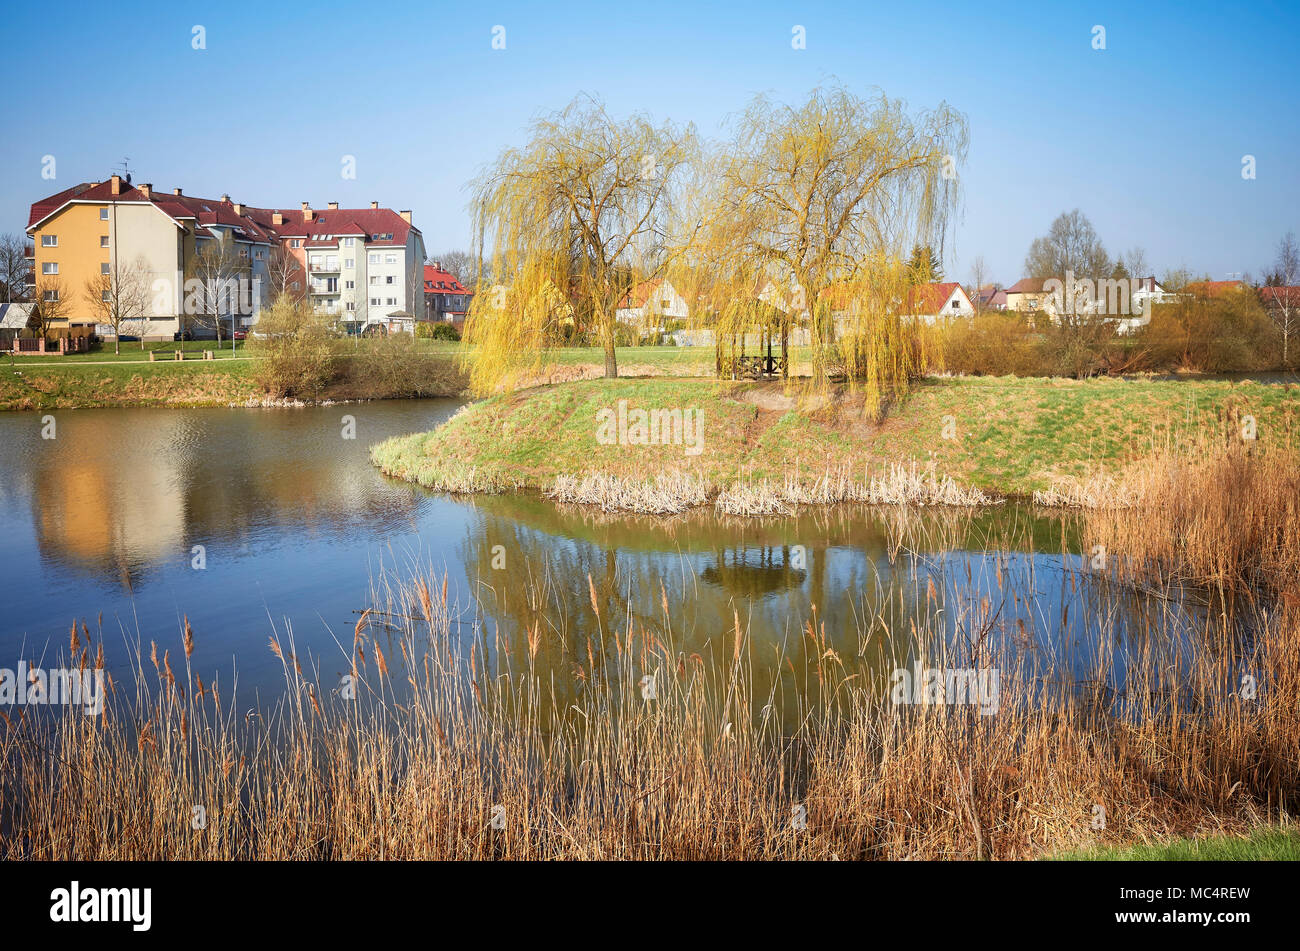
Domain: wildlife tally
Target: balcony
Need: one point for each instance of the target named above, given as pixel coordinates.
(324, 289)
(324, 268)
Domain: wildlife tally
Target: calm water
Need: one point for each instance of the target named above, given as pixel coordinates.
(294, 524)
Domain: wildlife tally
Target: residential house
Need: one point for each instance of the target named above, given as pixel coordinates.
(445, 298)
(649, 305)
(933, 302)
(998, 300)
(1147, 292)
(983, 295)
(1027, 295)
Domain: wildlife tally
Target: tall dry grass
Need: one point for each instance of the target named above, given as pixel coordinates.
(627, 742)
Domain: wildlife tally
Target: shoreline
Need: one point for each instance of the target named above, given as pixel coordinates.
(765, 450)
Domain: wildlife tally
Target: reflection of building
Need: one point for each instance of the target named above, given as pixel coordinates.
(109, 505)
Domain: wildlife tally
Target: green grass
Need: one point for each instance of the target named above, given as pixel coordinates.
(1009, 436)
(1264, 844)
(131, 353)
(124, 383)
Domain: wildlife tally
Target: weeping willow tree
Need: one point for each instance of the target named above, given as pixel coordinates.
(820, 204)
(567, 225)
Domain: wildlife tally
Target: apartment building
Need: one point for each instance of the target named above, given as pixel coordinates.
(366, 265)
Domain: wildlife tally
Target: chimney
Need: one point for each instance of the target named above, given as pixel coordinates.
(277, 218)
(116, 186)
(225, 199)
(307, 213)
(239, 209)
(374, 204)
(146, 189)
(176, 191)
(334, 206)
(406, 215)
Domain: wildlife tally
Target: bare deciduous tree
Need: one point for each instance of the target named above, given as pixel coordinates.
(1070, 245)
(52, 303)
(120, 299)
(15, 271)
(978, 274)
(216, 265)
(1282, 298)
(284, 273)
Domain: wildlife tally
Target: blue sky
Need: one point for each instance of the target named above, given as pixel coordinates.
(1146, 137)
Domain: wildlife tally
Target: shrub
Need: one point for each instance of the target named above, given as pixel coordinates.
(297, 347)
(1205, 334)
(993, 343)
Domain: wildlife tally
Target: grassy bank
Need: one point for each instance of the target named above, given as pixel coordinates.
(29, 386)
(955, 439)
(368, 371)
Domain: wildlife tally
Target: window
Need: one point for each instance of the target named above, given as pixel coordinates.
(374, 302)
(261, 254)
(49, 267)
(103, 267)
(374, 259)
(352, 305)
(103, 214)
(296, 243)
(347, 243)
(104, 294)
(389, 279)
(350, 284)
(103, 240)
(296, 285)
(49, 241)
(391, 301)
(52, 296)
(349, 263)
(390, 258)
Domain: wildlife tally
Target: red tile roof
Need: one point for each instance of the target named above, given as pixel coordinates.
(1214, 288)
(929, 299)
(1286, 296)
(258, 224)
(438, 281)
(639, 294)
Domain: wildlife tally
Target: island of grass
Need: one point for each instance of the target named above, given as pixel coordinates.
(665, 444)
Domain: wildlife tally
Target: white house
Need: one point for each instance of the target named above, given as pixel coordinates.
(650, 304)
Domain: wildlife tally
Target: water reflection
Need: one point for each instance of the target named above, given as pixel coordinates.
(295, 525)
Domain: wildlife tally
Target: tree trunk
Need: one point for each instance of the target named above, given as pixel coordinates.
(611, 359)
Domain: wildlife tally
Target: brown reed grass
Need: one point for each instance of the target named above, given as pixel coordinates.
(487, 754)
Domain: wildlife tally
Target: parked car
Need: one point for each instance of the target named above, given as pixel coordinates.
(186, 335)
(241, 334)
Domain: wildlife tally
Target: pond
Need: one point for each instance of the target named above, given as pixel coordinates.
(250, 522)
